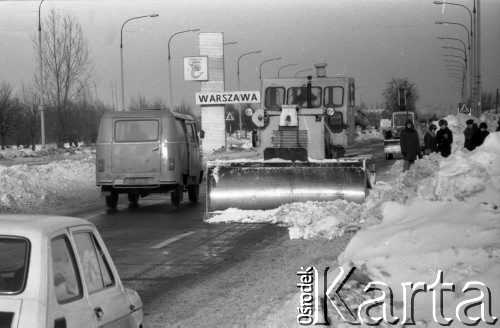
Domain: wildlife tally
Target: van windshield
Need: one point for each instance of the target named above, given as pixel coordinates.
(136, 131)
(14, 257)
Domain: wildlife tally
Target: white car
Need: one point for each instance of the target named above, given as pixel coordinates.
(56, 272)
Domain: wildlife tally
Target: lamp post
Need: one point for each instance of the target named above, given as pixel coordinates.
(239, 58)
(121, 52)
(279, 70)
(40, 100)
(238, 76)
(170, 87)
(472, 43)
(262, 63)
(302, 71)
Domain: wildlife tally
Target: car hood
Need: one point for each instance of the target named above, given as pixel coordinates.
(10, 308)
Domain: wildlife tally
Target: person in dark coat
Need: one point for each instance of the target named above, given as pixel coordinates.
(479, 135)
(430, 145)
(468, 133)
(498, 127)
(444, 138)
(410, 146)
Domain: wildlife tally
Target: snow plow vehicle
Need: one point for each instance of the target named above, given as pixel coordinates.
(304, 125)
(392, 132)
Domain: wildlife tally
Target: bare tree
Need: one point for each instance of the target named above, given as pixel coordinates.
(391, 94)
(67, 68)
(10, 108)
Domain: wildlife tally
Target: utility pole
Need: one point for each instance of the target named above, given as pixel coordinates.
(478, 69)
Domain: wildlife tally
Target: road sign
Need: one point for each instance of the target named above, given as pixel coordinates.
(227, 97)
(229, 117)
(463, 109)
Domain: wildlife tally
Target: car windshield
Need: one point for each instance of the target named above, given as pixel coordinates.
(14, 257)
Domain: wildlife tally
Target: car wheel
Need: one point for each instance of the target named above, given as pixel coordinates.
(388, 156)
(133, 199)
(176, 195)
(194, 192)
(112, 201)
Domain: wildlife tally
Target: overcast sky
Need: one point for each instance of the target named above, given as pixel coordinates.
(370, 40)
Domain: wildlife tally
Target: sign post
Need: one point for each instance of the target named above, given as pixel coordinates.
(462, 109)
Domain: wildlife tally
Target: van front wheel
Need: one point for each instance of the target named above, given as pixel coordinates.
(176, 195)
(194, 192)
(112, 201)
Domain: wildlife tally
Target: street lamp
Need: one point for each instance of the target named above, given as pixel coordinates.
(453, 23)
(302, 71)
(262, 63)
(279, 70)
(40, 106)
(170, 65)
(245, 54)
(121, 52)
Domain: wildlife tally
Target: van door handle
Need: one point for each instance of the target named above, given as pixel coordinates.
(155, 149)
(99, 312)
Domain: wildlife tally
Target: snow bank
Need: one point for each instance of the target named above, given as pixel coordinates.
(25, 188)
(451, 223)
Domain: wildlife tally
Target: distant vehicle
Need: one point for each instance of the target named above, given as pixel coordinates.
(56, 272)
(391, 130)
(148, 151)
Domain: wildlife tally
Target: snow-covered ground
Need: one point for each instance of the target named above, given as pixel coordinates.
(443, 214)
(47, 180)
(368, 135)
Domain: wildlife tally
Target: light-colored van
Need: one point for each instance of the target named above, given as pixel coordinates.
(148, 151)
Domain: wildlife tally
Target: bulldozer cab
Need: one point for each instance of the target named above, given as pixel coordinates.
(399, 119)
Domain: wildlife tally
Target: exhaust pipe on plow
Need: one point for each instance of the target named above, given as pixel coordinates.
(268, 184)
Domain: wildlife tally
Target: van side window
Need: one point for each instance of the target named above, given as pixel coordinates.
(181, 128)
(96, 269)
(67, 283)
(191, 132)
(136, 131)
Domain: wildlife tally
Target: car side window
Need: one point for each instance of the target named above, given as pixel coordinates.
(180, 128)
(67, 283)
(96, 270)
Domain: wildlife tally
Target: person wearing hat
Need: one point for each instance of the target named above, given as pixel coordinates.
(430, 145)
(410, 146)
(479, 135)
(444, 138)
(468, 133)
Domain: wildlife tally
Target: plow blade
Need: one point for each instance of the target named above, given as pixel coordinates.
(265, 185)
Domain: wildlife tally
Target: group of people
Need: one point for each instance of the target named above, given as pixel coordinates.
(423, 141)
(474, 135)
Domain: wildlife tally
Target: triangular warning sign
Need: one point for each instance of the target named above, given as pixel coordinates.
(463, 109)
(229, 117)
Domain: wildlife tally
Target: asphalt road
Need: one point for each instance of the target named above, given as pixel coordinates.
(190, 273)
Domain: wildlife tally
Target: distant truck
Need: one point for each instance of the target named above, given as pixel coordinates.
(148, 151)
(391, 129)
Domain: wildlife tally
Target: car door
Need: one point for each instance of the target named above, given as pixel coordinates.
(194, 149)
(66, 303)
(106, 296)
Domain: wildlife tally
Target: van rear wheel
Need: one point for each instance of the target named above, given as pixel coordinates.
(176, 195)
(112, 201)
(133, 199)
(194, 192)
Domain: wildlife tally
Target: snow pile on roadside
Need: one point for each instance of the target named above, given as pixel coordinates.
(451, 224)
(34, 188)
